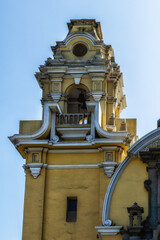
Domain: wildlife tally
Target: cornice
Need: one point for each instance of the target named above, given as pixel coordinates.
(108, 230)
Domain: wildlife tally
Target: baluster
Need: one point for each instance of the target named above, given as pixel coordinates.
(83, 119)
(64, 119)
(68, 119)
(73, 118)
(77, 119)
(59, 119)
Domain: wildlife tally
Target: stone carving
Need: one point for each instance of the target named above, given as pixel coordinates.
(55, 139)
(56, 97)
(35, 172)
(89, 138)
(155, 143)
(97, 96)
(108, 222)
(35, 168)
(109, 168)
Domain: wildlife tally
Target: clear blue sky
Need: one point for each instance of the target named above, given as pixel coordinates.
(28, 29)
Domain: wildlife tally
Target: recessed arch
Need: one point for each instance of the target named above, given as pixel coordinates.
(76, 99)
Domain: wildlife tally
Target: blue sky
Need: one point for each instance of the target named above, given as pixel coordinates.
(28, 29)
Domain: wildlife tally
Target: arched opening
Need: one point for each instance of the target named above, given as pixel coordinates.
(76, 101)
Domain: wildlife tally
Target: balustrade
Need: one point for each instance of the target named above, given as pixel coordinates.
(73, 119)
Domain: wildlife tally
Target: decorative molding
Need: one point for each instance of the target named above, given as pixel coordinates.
(108, 222)
(73, 133)
(36, 149)
(89, 150)
(54, 139)
(17, 138)
(77, 77)
(77, 80)
(35, 172)
(109, 137)
(154, 144)
(80, 166)
(117, 136)
(109, 168)
(72, 36)
(108, 230)
(145, 141)
(97, 96)
(56, 96)
(110, 189)
(35, 168)
(150, 139)
(89, 138)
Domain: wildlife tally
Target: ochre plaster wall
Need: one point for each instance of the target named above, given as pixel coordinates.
(129, 189)
(33, 206)
(60, 184)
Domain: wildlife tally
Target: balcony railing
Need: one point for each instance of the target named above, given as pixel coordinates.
(73, 119)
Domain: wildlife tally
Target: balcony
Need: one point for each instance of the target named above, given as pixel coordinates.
(73, 125)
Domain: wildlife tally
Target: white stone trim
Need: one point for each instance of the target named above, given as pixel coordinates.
(73, 133)
(144, 141)
(94, 150)
(97, 95)
(80, 166)
(119, 136)
(66, 144)
(109, 168)
(72, 36)
(131, 153)
(67, 166)
(56, 96)
(35, 168)
(47, 107)
(108, 230)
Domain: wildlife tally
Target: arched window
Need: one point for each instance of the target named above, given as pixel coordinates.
(76, 101)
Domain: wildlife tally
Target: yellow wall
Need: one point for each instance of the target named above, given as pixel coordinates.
(60, 184)
(33, 206)
(129, 189)
(46, 197)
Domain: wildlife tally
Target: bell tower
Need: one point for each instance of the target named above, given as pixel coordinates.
(72, 153)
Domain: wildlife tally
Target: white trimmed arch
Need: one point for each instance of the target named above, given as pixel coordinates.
(149, 140)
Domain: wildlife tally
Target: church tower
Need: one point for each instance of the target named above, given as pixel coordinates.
(72, 153)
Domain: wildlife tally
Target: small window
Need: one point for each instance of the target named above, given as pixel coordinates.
(109, 156)
(56, 87)
(35, 157)
(71, 209)
(97, 86)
